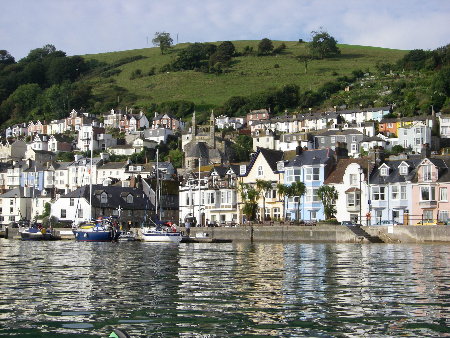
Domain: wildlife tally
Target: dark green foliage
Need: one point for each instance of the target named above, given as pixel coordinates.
(242, 148)
(265, 47)
(279, 49)
(65, 156)
(194, 57)
(178, 108)
(323, 45)
(137, 73)
(163, 40)
(6, 58)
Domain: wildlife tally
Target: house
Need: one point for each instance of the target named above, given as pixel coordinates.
(38, 127)
(76, 119)
(58, 143)
(167, 121)
(312, 167)
(236, 123)
(14, 151)
(16, 130)
(113, 119)
(257, 115)
(135, 122)
(130, 205)
(39, 142)
(350, 137)
(81, 172)
(350, 179)
(15, 205)
(413, 136)
(264, 139)
(192, 198)
(56, 127)
(444, 126)
(264, 166)
(112, 170)
(89, 134)
(157, 135)
(430, 189)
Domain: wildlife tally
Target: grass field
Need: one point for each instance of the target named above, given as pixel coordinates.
(248, 74)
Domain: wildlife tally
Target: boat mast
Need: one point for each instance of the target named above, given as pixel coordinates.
(90, 172)
(199, 193)
(157, 180)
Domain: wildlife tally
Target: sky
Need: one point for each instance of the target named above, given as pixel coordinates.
(81, 27)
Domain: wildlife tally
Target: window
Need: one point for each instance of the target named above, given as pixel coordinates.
(267, 213)
(427, 193)
(354, 147)
(271, 194)
(443, 215)
(353, 138)
(276, 213)
(72, 202)
(313, 214)
(333, 140)
(11, 202)
(384, 171)
(427, 215)
(63, 213)
(11, 210)
(403, 192)
(426, 172)
(211, 197)
(353, 179)
(403, 170)
(311, 195)
(80, 213)
(103, 198)
(130, 198)
(443, 194)
(260, 171)
(395, 192)
(378, 193)
(353, 199)
(312, 174)
(293, 175)
(187, 199)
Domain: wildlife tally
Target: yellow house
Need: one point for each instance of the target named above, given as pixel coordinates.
(263, 166)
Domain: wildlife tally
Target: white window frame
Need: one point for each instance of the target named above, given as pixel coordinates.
(384, 171)
(403, 192)
(395, 192)
(312, 174)
(443, 194)
(260, 171)
(403, 170)
(378, 193)
(431, 193)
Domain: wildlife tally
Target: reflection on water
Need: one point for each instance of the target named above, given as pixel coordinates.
(327, 290)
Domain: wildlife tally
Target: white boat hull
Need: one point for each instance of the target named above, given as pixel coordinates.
(161, 236)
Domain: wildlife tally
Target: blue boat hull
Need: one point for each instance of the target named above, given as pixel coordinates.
(96, 236)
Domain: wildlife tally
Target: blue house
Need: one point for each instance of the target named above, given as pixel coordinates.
(311, 167)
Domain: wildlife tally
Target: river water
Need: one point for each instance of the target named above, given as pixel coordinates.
(76, 289)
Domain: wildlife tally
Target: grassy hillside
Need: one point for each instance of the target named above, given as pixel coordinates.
(248, 74)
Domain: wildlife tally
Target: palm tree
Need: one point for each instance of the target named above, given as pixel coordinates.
(328, 195)
(284, 191)
(263, 187)
(250, 197)
(297, 189)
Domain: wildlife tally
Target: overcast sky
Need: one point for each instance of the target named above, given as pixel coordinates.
(94, 26)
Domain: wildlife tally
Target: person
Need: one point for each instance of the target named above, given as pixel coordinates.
(188, 227)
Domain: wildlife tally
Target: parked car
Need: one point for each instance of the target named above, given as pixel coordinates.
(430, 222)
(388, 223)
(349, 223)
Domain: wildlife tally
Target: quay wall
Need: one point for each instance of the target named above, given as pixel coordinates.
(293, 233)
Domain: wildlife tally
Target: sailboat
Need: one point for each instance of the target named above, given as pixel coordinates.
(104, 229)
(157, 231)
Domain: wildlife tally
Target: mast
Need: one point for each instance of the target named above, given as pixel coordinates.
(90, 173)
(199, 193)
(157, 181)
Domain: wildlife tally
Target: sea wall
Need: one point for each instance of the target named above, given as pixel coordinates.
(412, 233)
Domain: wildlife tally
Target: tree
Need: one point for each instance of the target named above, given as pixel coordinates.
(163, 40)
(297, 189)
(249, 196)
(265, 46)
(328, 195)
(263, 186)
(283, 191)
(242, 148)
(323, 45)
(6, 58)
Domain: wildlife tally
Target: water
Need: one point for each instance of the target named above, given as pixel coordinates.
(72, 289)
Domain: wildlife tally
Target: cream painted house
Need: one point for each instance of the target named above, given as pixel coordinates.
(263, 166)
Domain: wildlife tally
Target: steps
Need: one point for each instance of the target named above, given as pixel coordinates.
(358, 231)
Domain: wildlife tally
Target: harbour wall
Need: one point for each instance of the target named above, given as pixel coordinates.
(292, 233)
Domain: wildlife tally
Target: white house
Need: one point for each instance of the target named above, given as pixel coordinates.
(444, 125)
(157, 135)
(414, 136)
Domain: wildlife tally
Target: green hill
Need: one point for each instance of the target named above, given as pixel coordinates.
(247, 74)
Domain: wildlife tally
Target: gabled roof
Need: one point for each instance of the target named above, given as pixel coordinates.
(271, 156)
(337, 175)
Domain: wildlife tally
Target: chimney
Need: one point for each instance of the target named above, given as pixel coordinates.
(425, 152)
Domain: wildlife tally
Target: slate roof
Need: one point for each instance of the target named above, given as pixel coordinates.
(337, 175)
(340, 132)
(311, 157)
(271, 156)
(199, 150)
(19, 192)
(114, 165)
(116, 197)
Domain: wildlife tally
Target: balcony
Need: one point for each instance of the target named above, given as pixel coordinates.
(353, 208)
(428, 204)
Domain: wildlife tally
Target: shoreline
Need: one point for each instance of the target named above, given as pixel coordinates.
(320, 233)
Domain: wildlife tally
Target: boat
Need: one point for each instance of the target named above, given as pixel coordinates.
(105, 229)
(165, 232)
(128, 236)
(35, 233)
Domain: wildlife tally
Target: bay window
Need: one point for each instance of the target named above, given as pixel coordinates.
(378, 193)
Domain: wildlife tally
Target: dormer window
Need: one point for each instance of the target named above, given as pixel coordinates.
(403, 170)
(384, 171)
(104, 197)
(130, 198)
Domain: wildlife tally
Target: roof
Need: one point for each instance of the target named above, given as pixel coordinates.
(337, 175)
(340, 132)
(199, 150)
(113, 165)
(271, 156)
(116, 197)
(311, 157)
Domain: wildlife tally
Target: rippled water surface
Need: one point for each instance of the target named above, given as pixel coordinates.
(66, 288)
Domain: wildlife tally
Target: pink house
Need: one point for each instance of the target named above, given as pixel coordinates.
(430, 194)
